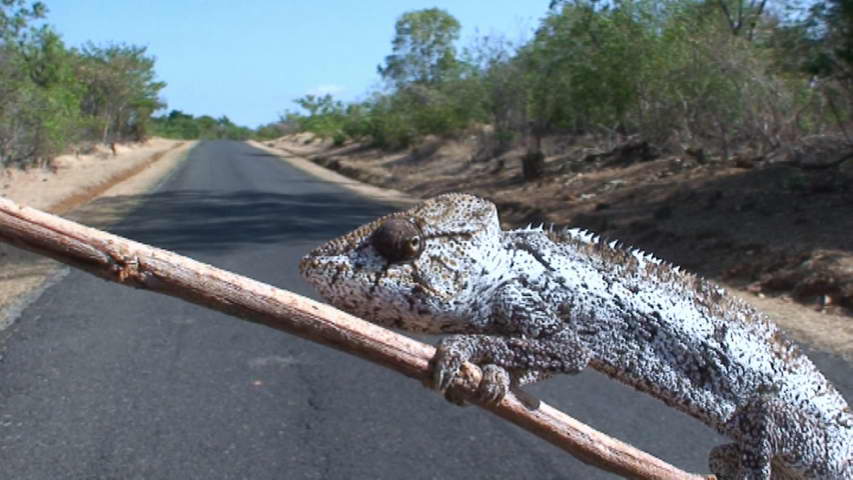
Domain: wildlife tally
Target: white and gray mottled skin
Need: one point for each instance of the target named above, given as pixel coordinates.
(529, 303)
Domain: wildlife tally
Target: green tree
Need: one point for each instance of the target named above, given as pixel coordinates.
(46, 59)
(742, 16)
(318, 105)
(702, 73)
(325, 116)
(423, 48)
(586, 64)
(121, 90)
(822, 43)
(39, 98)
(671, 71)
(178, 124)
(502, 92)
(15, 16)
(831, 23)
(51, 96)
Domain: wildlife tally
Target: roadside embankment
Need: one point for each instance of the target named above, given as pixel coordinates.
(299, 159)
(68, 189)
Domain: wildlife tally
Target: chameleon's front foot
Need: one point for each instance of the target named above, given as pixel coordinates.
(450, 354)
(447, 363)
(528, 359)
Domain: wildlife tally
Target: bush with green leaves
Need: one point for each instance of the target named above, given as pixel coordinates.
(40, 105)
(670, 71)
(721, 76)
(52, 96)
(180, 125)
(431, 91)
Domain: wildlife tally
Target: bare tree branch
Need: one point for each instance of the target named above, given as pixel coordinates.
(739, 14)
(735, 26)
(753, 12)
(756, 15)
(141, 266)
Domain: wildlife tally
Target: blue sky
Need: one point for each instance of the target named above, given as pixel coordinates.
(250, 62)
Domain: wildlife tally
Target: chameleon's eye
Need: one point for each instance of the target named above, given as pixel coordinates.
(398, 240)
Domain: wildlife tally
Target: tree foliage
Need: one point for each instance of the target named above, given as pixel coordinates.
(120, 90)
(39, 98)
(15, 15)
(423, 50)
(52, 96)
(672, 71)
(180, 125)
(829, 26)
(432, 90)
(718, 75)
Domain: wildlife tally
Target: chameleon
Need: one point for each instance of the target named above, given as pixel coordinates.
(529, 303)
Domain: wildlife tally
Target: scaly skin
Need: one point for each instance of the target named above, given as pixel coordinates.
(528, 303)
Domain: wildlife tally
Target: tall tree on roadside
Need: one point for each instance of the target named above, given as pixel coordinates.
(742, 16)
(834, 21)
(121, 90)
(52, 91)
(423, 50)
(39, 94)
(504, 90)
(829, 34)
(15, 16)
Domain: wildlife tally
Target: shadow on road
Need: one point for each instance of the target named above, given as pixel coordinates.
(201, 221)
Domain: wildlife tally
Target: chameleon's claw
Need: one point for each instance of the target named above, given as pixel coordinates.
(446, 365)
(444, 373)
(442, 380)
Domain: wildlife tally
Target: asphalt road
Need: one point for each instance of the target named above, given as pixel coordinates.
(98, 381)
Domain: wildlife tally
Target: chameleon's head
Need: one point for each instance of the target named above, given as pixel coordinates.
(416, 269)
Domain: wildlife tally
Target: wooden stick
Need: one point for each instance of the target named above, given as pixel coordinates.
(137, 265)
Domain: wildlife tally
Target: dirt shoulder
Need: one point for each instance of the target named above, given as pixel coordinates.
(776, 235)
(69, 190)
(298, 159)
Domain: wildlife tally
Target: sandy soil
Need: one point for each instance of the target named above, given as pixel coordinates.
(776, 235)
(68, 189)
(296, 158)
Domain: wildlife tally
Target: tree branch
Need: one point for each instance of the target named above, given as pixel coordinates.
(735, 27)
(134, 264)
